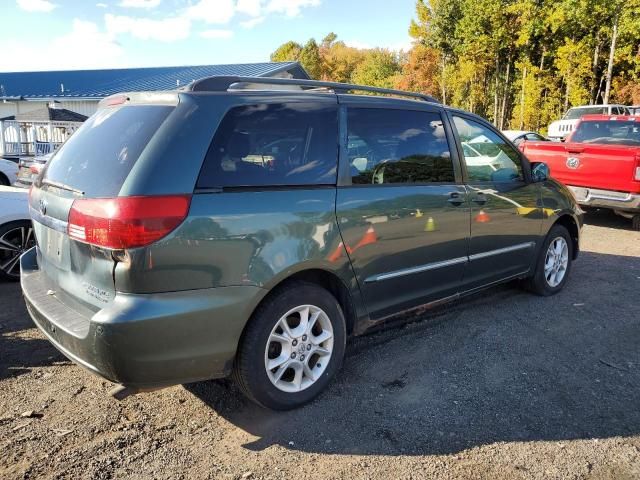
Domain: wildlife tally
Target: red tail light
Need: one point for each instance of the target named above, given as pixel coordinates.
(126, 222)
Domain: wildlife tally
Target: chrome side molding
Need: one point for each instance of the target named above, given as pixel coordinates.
(448, 263)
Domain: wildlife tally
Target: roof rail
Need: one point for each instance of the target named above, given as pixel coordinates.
(224, 83)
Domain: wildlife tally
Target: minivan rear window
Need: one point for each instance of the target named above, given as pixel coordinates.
(98, 157)
(274, 144)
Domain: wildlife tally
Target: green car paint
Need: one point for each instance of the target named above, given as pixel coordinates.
(174, 311)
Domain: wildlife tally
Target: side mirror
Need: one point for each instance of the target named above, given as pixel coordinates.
(540, 171)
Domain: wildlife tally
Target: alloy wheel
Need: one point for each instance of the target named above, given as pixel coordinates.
(14, 243)
(556, 261)
(299, 348)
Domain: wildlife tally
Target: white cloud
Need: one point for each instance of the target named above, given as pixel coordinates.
(405, 46)
(36, 5)
(165, 30)
(101, 5)
(252, 23)
(211, 11)
(358, 44)
(139, 3)
(252, 8)
(291, 8)
(85, 46)
(216, 34)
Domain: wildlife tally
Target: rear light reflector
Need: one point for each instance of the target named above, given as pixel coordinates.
(126, 222)
(637, 175)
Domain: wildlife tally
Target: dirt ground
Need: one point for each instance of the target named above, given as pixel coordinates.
(501, 385)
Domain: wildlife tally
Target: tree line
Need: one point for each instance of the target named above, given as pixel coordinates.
(519, 63)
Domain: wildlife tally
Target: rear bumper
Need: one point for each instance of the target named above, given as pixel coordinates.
(148, 340)
(594, 197)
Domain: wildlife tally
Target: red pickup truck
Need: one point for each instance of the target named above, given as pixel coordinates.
(599, 162)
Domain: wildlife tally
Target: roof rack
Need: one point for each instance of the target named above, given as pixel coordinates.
(224, 83)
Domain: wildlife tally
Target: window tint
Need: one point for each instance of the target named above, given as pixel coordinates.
(273, 144)
(609, 132)
(397, 146)
(100, 155)
(492, 158)
(576, 113)
(518, 140)
(534, 137)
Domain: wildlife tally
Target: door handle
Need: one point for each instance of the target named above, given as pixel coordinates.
(575, 150)
(479, 199)
(455, 199)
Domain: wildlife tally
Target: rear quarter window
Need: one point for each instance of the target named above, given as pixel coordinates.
(273, 144)
(98, 157)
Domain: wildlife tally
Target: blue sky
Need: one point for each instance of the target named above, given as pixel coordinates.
(75, 34)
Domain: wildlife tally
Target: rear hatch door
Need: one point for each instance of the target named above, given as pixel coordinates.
(608, 167)
(93, 163)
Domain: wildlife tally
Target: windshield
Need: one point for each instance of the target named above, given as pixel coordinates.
(97, 159)
(608, 132)
(576, 113)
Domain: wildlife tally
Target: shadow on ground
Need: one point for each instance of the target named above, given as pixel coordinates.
(502, 366)
(21, 349)
(603, 217)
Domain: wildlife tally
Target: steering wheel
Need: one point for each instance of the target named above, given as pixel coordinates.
(378, 171)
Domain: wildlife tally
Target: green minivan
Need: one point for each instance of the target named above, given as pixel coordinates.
(249, 226)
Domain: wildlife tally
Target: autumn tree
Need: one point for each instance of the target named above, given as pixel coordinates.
(519, 63)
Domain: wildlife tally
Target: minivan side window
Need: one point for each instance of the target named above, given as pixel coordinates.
(487, 156)
(273, 144)
(397, 146)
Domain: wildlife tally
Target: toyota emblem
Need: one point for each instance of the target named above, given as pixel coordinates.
(43, 206)
(573, 162)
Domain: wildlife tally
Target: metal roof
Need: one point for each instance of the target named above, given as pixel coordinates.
(47, 114)
(95, 84)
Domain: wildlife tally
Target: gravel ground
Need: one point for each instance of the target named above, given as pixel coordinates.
(502, 385)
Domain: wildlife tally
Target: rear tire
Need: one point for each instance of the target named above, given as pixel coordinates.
(300, 332)
(635, 223)
(4, 181)
(553, 264)
(15, 238)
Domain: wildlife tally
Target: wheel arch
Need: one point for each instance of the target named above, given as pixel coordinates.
(571, 224)
(325, 279)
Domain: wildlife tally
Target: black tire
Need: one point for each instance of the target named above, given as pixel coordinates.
(250, 372)
(538, 283)
(635, 223)
(4, 180)
(8, 269)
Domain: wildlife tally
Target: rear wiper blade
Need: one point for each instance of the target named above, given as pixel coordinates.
(62, 186)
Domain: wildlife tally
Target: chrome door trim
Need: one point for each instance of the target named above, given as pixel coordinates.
(421, 268)
(53, 223)
(448, 263)
(499, 251)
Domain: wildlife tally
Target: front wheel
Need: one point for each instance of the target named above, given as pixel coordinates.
(292, 348)
(553, 264)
